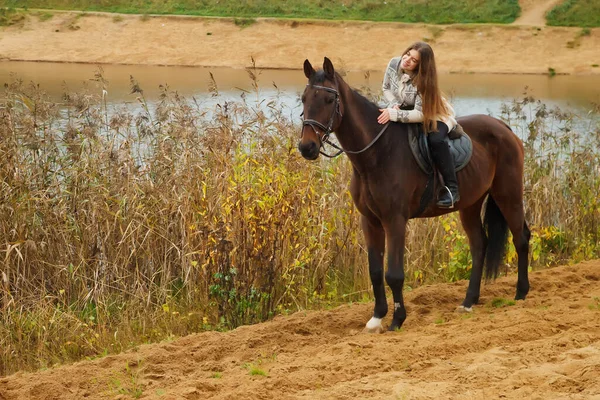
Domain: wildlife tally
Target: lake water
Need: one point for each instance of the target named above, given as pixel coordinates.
(470, 93)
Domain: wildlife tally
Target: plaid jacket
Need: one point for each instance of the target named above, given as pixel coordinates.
(398, 89)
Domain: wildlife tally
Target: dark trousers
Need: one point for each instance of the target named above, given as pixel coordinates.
(442, 157)
(438, 138)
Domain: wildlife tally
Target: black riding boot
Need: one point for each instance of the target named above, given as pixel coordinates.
(445, 163)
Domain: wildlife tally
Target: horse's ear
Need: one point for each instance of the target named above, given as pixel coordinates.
(308, 69)
(328, 68)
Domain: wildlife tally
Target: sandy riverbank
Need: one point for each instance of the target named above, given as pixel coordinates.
(192, 41)
(546, 347)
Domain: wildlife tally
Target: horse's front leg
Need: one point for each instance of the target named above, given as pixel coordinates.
(396, 237)
(375, 238)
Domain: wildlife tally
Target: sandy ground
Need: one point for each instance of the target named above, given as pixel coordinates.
(358, 46)
(546, 347)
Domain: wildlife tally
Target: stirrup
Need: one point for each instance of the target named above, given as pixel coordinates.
(451, 200)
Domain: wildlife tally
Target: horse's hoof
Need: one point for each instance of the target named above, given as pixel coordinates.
(464, 310)
(378, 329)
(374, 326)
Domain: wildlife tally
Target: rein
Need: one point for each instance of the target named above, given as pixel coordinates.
(329, 128)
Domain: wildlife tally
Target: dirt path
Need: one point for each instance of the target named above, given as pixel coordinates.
(533, 12)
(358, 46)
(546, 347)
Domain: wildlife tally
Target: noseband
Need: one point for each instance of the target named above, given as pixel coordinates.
(329, 128)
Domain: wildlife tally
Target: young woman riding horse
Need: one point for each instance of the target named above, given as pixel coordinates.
(410, 85)
(387, 185)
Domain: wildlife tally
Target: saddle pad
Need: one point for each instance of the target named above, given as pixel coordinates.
(460, 145)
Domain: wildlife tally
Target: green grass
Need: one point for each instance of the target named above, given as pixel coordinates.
(10, 16)
(500, 302)
(584, 13)
(438, 12)
(127, 382)
(254, 370)
(244, 22)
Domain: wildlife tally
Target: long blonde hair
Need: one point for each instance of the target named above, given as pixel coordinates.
(426, 81)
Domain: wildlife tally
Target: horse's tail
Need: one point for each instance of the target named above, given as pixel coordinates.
(497, 231)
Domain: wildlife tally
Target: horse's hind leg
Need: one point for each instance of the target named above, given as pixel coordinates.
(375, 238)
(471, 221)
(523, 253)
(510, 203)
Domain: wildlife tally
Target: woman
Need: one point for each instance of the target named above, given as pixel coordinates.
(411, 88)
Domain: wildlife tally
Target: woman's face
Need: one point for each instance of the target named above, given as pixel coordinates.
(410, 60)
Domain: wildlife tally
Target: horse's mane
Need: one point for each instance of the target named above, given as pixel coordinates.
(319, 78)
(369, 111)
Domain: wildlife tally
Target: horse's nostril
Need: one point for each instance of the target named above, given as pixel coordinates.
(309, 150)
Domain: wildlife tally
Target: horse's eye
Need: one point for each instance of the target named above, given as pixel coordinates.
(303, 98)
(329, 99)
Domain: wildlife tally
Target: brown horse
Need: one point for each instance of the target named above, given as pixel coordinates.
(387, 186)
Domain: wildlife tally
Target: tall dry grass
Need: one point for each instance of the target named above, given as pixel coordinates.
(120, 227)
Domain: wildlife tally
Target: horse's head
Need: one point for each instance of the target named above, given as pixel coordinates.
(321, 108)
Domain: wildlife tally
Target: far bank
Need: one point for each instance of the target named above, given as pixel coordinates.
(285, 44)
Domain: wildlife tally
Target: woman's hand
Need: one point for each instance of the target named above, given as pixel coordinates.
(384, 117)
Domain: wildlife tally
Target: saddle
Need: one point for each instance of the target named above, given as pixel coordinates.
(459, 142)
(461, 149)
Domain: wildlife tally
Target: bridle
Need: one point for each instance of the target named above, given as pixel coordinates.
(327, 130)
